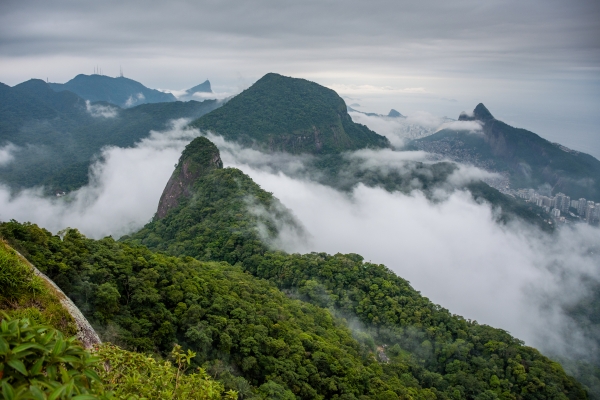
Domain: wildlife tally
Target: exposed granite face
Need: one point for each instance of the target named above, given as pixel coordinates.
(199, 157)
(85, 333)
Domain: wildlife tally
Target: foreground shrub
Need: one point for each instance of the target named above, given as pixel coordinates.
(137, 376)
(37, 362)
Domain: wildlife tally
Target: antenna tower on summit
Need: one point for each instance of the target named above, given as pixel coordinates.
(121, 71)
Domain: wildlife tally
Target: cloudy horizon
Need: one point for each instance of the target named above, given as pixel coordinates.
(536, 65)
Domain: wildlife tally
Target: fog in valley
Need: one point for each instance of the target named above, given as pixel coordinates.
(451, 249)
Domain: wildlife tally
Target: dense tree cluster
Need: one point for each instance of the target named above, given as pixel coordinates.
(258, 340)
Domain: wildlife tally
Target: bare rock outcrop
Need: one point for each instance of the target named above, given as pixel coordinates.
(199, 157)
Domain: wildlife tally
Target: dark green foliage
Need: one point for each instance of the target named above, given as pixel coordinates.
(136, 376)
(453, 353)
(200, 154)
(57, 137)
(530, 160)
(123, 92)
(222, 313)
(278, 113)
(227, 315)
(444, 352)
(37, 362)
(25, 295)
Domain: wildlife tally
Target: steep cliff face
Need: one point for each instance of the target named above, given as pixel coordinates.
(199, 157)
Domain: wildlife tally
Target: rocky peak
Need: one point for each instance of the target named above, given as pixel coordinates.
(198, 158)
(480, 113)
(394, 114)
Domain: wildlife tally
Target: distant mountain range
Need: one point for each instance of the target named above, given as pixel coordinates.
(530, 160)
(58, 133)
(204, 273)
(121, 91)
(392, 114)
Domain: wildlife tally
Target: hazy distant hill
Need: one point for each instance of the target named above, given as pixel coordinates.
(57, 133)
(530, 160)
(202, 88)
(120, 91)
(279, 113)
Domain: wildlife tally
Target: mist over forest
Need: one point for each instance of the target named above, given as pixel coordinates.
(303, 200)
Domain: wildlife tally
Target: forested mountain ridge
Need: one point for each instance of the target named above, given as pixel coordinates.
(530, 160)
(279, 113)
(418, 344)
(56, 134)
(214, 211)
(121, 91)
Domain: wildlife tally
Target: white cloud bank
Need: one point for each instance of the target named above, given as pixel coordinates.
(469, 126)
(511, 277)
(401, 130)
(101, 111)
(123, 194)
(7, 154)
(183, 95)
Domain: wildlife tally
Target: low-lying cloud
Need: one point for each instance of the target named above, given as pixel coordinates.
(453, 251)
(7, 154)
(133, 100)
(400, 130)
(468, 126)
(183, 95)
(101, 111)
(512, 276)
(125, 186)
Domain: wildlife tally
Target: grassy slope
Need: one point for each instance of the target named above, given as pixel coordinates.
(25, 295)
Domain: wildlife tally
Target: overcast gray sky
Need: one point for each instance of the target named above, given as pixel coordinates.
(535, 64)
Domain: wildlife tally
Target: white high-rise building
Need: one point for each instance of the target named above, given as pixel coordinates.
(581, 206)
(574, 204)
(590, 214)
(555, 212)
(562, 202)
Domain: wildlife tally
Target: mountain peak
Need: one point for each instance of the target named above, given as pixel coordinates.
(280, 113)
(480, 113)
(120, 91)
(204, 87)
(198, 158)
(394, 114)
